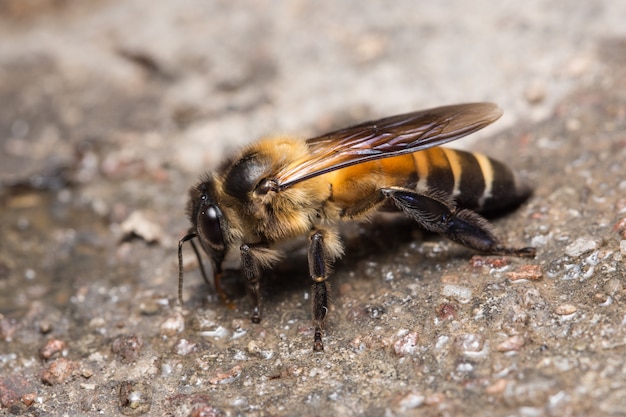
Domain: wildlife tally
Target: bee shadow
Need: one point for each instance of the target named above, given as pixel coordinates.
(362, 241)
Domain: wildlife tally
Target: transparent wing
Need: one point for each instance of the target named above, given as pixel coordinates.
(384, 138)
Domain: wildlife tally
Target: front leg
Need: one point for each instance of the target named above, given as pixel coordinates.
(324, 248)
(254, 257)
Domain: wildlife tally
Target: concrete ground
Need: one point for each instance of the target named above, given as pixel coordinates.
(112, 109)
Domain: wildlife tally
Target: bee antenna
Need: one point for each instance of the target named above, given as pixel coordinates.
(185, 238)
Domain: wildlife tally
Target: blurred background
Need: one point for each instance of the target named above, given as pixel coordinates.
(197, 75)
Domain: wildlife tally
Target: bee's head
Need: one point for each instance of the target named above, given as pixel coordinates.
(208, 220)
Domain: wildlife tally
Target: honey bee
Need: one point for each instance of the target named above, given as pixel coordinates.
(280, 188)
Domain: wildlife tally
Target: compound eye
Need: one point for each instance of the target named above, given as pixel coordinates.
(210, 225)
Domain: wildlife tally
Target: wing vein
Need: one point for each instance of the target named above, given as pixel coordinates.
(388, 137)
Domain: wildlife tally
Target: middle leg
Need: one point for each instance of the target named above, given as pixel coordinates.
(324, 247)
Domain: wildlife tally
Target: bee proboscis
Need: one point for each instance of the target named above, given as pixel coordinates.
(280, 187)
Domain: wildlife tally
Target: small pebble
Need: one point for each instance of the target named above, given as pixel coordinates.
(205, 410)
(535, 92)
(29, 399)
(135, 398)
(226, 377)
(613, 286)
(127, 348)
(479, 261)
(137, 224)
(529, 272)
(173, 324)
(532, 391)
(513, 343)
(408, 400)
(580, 246)
(469, 343)
(256, 349)
(13, 388)
(460, 293)
(184, 347)
(447, 311)
(51, 348)
(150, 307)
(406, 345)
(45, 327)
(620, 228)
(600, 297)
(8, 327)
(59, 371)
(218, 332)
(565, 309)
(497, 387)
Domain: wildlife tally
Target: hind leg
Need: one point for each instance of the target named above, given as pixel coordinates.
(438, 214)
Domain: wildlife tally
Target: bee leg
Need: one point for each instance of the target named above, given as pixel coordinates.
(251, 268)
(318, 269)
(217, 277)
(463, 226)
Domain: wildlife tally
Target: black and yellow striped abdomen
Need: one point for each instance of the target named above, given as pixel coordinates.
(474, 181)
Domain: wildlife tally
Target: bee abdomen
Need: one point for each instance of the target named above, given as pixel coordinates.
(473, 180)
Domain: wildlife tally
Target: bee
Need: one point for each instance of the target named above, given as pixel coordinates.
(280, 188)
